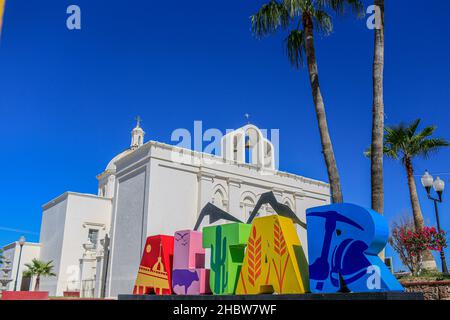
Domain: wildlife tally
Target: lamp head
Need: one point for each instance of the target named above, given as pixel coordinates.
(439, 186)
(427, 181)
(21, 240)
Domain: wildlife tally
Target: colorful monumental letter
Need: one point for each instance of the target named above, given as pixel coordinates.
(274, 260)
(189, 275)
(343, 243)
(154, 275)
(227, 243)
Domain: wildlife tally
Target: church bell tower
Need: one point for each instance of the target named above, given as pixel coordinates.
(137, 135)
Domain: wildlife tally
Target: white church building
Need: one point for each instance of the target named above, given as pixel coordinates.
(96, 241)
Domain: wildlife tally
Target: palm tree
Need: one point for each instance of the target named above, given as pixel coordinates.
(404, 143)
(306, 17)
(39, 268)
(376, 156)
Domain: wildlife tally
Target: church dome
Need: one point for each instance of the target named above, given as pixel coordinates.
(111, 165)
(137, 140)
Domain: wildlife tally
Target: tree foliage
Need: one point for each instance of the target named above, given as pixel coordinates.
(291, 15)
(410, 243)
(39, 269)
(403, 142)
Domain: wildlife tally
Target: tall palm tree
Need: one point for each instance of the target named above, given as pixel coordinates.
(302, 18)
(404, 143)
(376, 156)
(39, 269)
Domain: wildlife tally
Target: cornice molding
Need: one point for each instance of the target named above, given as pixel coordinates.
(234, 182)
(206, 176)
(94, 224)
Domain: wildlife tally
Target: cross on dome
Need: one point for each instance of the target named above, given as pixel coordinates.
(138, 121)
(137, 134)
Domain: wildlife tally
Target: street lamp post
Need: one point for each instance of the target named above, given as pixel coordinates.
(21, 243)
(438, 186)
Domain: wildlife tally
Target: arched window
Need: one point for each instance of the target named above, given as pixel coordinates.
(248, 204)
(220, 197)
(248, 151)
(288, 203)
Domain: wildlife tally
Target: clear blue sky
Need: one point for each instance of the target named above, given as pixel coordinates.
(68, 98)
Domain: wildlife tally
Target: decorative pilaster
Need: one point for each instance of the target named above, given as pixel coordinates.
(205, 188)
(234, 194)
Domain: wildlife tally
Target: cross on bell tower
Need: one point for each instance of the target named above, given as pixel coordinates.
(137, 134)
(247, 116)
(138, 121)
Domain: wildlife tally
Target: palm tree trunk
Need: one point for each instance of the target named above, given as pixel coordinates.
(417, 212)
(36, 286)
(327, 148)
(376, 154)
(428, 260)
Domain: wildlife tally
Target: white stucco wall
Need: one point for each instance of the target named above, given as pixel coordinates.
(51, 238)
(128, 232)
(65, 224)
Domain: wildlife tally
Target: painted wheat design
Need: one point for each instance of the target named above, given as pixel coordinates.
(280, 249)
(254, 257)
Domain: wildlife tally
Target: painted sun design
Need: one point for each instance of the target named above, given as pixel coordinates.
(148, 248)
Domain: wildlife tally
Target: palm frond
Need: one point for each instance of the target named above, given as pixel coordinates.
(394, 136)
(430, 146)
(29, 265)
(322, 22)
(338, 6)
(412, 128)
(391, 152)
(39, 268)
(27, 274)
(297, 7)
(357, 7)
(294, 7)
(295, 45)
(269, 18)
(403, 141)
(426, 132)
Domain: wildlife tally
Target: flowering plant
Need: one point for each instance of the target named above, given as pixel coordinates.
(410, 243)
